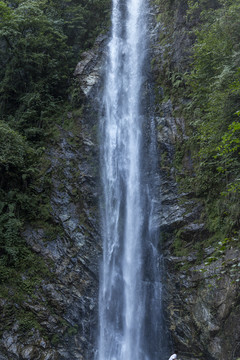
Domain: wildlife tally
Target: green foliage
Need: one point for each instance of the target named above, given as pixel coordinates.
(27, 321)
(17, 168)
(55, 339)
(228, 155)
(40, 42)
(227, 265)
(34, 65)
(179, 245)
(206, 92)
(12, 148)
(73, 330)
(83, 20)
(213, 112)
(16, 157)
(5, 11)
(19, 202)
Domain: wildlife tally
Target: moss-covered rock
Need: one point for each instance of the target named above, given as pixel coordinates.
(202, 285)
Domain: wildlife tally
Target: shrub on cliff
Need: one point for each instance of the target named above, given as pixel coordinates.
(214, 112)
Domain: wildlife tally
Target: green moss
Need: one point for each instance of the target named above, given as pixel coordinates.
(73, 330)
(209, 81)
(78, 112)
(184, 268)
(23, 283)
(52, 231)
(36, 113)
(165, 164)
(27, 321)
(55, 339)
(61, 187)
(179, 244)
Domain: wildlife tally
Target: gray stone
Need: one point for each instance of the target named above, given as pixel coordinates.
(202, 299)
(88, 70)
(67, 299)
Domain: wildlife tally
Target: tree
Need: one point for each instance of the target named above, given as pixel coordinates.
(34, 64)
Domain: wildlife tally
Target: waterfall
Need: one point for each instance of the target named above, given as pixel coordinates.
(130, 315)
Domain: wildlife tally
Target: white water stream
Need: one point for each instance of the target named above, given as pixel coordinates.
(129, 302)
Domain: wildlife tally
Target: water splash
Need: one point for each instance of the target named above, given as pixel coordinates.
(127, 299)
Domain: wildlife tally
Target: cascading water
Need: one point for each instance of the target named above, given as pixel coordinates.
(130, 316)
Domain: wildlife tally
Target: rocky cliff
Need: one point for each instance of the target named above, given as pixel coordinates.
(202, 291)
(58, 316)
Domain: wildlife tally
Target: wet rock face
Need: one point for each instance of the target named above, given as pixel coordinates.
(202, 301)
(65, 303)
(89, 70)
(204, 310)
